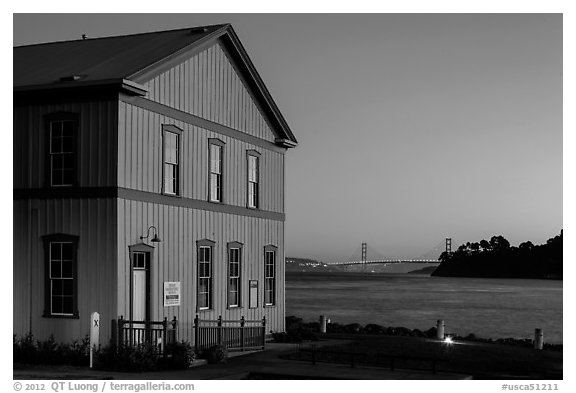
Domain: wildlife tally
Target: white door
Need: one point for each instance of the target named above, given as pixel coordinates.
(139, 294)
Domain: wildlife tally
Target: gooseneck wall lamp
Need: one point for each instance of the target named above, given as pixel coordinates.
(155, 239)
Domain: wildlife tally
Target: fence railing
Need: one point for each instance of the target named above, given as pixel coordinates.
(156, 333)
(235, 335)
(389, 361)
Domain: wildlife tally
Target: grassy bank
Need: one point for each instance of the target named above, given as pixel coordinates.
(375, 345)
(482, 361)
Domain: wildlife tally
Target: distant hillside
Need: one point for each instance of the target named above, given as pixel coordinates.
(306, 265)
(426, 270)
(497, 259)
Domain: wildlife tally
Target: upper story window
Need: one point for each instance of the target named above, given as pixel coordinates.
(205, 280)
(171, 159)
(61, 283)
(62, 149)
(216, 149)
(270, 275)
(253, 179)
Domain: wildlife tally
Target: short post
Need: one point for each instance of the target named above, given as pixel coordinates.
(94, 334)
(322, 324)
(440, 329)
(538, 339)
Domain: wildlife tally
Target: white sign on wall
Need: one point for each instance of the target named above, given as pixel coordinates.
(171, 293)
(253, 301)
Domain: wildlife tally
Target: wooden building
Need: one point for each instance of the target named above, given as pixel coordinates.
(123, 141)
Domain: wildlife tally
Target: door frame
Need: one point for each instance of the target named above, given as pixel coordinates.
(138, 248)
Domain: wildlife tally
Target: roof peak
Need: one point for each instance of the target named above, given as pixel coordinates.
(193, 29)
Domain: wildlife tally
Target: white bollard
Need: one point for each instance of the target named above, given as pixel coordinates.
(440, 329)
(538, 339)
(322, 324)
(94, 335)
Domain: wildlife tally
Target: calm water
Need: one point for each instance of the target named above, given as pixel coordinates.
(491, 308)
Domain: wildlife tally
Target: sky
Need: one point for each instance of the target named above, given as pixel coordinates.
(412, 127)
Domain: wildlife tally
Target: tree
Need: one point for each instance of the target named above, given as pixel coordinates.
(527, 246)
(499, 243)
(475, 247)
(485, 245)
(445, 256)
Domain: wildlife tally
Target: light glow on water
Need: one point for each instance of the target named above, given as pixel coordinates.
(489, 308)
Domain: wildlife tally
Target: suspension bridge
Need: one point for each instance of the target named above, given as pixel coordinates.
(369, 256)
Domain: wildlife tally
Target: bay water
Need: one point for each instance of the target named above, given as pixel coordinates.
(487, 307)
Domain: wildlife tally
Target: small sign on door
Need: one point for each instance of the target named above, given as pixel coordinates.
(171, 293)
(253, 287)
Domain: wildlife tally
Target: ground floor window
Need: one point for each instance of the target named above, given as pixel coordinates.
(270, 275)
(234, 273)
(61, 286)
(205, 286)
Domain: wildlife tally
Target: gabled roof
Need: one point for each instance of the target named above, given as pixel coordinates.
(132, 59)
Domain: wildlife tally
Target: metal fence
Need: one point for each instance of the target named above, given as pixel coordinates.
(159, 334)
(234, 335)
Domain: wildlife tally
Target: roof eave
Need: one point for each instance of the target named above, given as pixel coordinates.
(123, 85)
(286, 143)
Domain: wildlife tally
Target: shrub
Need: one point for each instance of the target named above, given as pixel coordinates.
(216, 354)
(25, 350)
(182, 355)
(139, 358)
(28, 350)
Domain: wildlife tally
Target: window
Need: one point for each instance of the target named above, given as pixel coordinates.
(269, 275)
(62, 156)
(253, 179)
(205, 289)
(171, 158)
(61, 276)
(234, 273)
(215, 178)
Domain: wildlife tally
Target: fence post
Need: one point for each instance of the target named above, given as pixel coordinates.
(120, 331)
(174, 331)
(164, 335)
(313, 354)
(196, 321)
(264, 332)
(219, 329)
(114, 334)
(242, 321)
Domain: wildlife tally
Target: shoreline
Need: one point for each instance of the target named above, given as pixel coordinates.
(312, 272)
(296, 325)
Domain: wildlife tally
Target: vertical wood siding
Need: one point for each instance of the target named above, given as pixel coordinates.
(208, 86)
(94, 222)
(140, 160)
(97, 144)
(175, 259)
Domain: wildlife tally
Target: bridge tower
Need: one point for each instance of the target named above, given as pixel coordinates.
(364, 255)
(448, 245)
